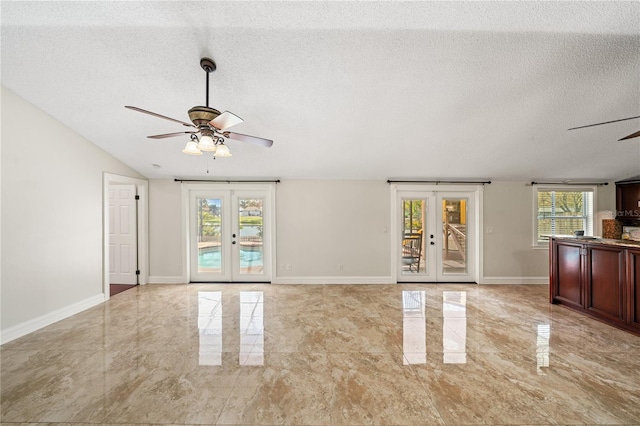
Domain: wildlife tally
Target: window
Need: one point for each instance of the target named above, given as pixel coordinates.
(561, 211)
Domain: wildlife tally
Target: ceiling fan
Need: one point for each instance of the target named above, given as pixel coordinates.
(631, 136)
(210, 123)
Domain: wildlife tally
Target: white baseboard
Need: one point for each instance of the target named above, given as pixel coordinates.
(515, 280)
(165, 280)
(32, 325)
(333, 280)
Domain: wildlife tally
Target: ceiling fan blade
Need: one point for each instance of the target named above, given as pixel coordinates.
(631, 136)
(169, 135)
(158, 115)
(246, 138)
(225, 120)
(604, 122)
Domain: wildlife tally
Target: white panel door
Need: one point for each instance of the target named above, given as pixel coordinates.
(123, 235)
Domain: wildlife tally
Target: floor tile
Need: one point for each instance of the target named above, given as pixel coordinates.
(414, 354)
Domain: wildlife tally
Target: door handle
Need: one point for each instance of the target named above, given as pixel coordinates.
(233, 235)
(432, 243)
(431, 235)
(233, 242)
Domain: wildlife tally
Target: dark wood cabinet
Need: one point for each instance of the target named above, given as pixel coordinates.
(633, 288)
(628, 200)
(566, 280)
(598, 279)
(604, 282)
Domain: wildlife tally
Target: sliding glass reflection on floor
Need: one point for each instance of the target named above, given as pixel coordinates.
(414, 327)
(454, 327)
(251, 328)
(210, 327)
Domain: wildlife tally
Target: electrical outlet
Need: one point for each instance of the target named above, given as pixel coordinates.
(289, 267)
(341, 267)
(489, 229)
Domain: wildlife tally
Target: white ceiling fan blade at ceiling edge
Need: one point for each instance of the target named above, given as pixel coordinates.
(155, 114)
(247, 138)
(169, 135)
(225, 120)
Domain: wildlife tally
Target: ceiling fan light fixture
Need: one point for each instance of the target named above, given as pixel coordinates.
(222, 150)
(192, 148)
(206, 144)
(209, 123)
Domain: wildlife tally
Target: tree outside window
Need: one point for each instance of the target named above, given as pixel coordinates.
(562, 212)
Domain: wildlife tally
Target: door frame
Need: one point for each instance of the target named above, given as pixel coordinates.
(142, 217)
(270, 187)
(478, 193)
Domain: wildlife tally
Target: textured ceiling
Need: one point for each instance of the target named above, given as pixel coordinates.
(347, 90)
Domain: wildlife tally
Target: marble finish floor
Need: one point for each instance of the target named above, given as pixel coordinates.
(409, 354)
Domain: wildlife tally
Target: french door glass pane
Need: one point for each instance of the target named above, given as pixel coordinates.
(251, 232)
(454, 238)
(210, 253)
(413, 248)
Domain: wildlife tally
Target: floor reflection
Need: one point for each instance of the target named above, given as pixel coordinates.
(323, 354)
(454, 327)
(542, 347)
(251, 351)
(210, 327)
(251, 328)
(414, 327)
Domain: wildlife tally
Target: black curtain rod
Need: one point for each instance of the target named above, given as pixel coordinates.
(227, 181)
(570, 183)
(628, 181)
(474, 182)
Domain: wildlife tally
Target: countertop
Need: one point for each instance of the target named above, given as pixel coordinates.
(598, 240)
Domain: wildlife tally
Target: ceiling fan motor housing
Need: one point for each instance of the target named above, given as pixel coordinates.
(201, 115)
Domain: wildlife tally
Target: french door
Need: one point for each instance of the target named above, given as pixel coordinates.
(230, 234)
(436, 235)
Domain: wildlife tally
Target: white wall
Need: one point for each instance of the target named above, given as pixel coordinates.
(322, 224)
(165, 231)
(508, 252)
(51, 217)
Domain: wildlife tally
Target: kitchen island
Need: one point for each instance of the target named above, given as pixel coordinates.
(597, 277)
